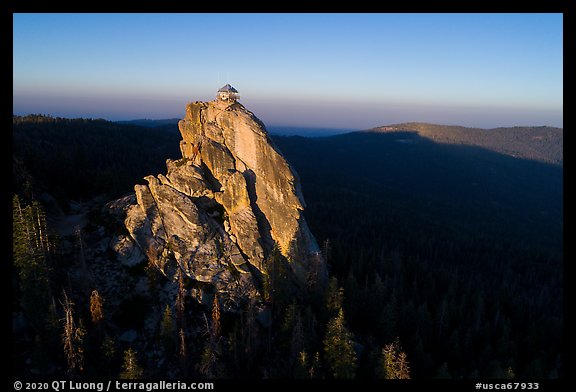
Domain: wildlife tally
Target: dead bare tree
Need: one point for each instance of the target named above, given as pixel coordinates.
(182, 350)
(72, 338)
(180, 300)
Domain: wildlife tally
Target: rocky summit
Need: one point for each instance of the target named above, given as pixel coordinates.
(222, 210)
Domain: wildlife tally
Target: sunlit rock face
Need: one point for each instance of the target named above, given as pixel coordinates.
(220, 210)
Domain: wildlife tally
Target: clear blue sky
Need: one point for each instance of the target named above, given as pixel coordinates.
(318, 70)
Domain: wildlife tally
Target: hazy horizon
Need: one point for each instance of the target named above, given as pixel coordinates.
(340, 71)
(327, 125)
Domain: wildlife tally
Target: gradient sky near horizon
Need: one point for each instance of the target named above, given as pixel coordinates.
(353, 71)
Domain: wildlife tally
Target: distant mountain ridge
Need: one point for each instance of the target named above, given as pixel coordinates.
(539, 143)
(145, 122)
(306, 131)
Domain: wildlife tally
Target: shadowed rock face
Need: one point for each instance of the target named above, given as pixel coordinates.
(221, 209)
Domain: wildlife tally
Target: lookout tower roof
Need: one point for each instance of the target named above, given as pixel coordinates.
(228, 89)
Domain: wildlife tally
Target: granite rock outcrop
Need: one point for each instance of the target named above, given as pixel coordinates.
(222, 209)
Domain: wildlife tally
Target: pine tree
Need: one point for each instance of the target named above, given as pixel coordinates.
(297, 341)
(276, 281)
(108, 358)
(207, 362)
(443, 371)
(40, 358)
(96, 311)
(326, 249)
(154, 276)
(108, 349)
(301, 371)
(30, 248)
(208, 365)
(394, 362)
(316, 277)
(338, 349)
(315, 368)
(403, 367)
(168, 331)
(509, 374)
(52, 337)
(287, 327)
(130, 369)
(249, 336)
(334, 296)
(215, 329)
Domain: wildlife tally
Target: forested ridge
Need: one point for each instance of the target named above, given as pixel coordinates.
(445, 261)
(457, 249)
(81, 158)
(541, 143)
